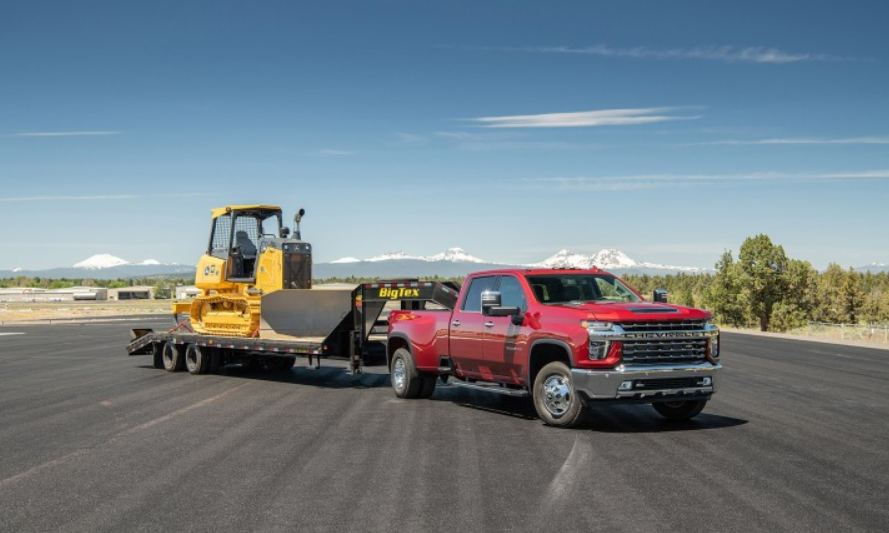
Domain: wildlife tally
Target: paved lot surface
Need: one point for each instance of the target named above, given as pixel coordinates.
(92, 440)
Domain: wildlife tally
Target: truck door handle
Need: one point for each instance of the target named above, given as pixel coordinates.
(489, 324)
(455, 324)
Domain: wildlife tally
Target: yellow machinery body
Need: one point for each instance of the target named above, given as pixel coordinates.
(249, 255)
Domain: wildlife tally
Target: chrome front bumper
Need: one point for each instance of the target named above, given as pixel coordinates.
(647, 382)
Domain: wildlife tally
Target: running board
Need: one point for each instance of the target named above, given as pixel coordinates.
(496, 389)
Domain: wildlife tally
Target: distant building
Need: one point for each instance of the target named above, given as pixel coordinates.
(28, 294)
(184, 292)
(131, 293)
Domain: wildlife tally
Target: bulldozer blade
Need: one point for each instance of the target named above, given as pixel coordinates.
(303, 312)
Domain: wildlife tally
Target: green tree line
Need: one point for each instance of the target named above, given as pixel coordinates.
(765, 289)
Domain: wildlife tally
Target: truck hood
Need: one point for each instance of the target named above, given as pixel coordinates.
(637, 311)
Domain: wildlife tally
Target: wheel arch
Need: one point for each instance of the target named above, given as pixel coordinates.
(545, 351)
(394, 342)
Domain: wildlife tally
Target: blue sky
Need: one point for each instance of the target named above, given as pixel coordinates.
(671, 131)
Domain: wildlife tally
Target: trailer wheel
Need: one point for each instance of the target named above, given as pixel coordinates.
(197, 359)
(216, 360)
(157, 355)
(278, 364)
(405, 380)
(682, 410)
(555, 398)
(173, 358)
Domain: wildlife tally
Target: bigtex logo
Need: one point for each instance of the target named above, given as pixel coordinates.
(400, 292)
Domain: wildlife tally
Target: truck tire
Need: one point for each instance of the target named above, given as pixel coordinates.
(427, 385)
(405, 380)
(173, 358)
(681, 410)
(157, 355)
(197, 359)
(555, 399)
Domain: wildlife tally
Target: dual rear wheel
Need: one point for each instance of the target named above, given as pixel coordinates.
(407, 382)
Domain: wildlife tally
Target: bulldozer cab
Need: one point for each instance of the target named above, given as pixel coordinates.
(237, 234)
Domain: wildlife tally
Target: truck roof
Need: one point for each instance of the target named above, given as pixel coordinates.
(536, 271)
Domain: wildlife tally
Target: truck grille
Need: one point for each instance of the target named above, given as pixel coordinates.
(654, 344)
(675, 325)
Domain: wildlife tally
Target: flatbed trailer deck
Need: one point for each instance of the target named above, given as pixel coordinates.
(358, 331)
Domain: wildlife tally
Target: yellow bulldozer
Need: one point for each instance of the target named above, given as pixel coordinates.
(250, 255)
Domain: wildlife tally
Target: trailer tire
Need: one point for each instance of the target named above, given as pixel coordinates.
(278, 364)
(197, 359)
(216, 360)
(173, 357)
(405, 380)
(555, 399)
(682, 410)
(157, 355)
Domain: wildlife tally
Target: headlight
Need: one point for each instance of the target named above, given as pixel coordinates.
(713, 332)
(598, 347)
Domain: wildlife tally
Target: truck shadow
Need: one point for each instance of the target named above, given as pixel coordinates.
(639, 418)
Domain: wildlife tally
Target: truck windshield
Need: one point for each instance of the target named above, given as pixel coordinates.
(579, 288)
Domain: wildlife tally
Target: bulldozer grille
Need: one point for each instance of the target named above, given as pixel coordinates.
(297, 271)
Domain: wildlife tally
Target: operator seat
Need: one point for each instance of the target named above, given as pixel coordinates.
(248, 249)
(244, 260)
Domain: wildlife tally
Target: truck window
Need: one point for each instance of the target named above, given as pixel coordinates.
(472, 303)
(579, 288)
(511, 293)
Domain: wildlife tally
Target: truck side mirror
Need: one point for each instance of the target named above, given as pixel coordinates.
(490, 300)
(660, 295)
(492, 306)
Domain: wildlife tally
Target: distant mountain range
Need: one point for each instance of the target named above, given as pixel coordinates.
(454, 262)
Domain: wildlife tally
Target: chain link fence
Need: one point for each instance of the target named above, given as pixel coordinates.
(874, 334)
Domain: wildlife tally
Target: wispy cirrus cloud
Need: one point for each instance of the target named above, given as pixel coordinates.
(506, 140)
(64, 134)
(797, 140)
(585, 119)
(659, 181)
(725, 53)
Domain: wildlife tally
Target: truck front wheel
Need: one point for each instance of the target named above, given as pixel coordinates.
(555, 399)
(405, 381)
(682, 410)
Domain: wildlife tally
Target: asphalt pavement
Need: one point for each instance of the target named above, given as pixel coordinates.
(796, 439)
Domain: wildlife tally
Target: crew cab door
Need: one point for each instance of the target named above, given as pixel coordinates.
(504, 344)
(467, 330)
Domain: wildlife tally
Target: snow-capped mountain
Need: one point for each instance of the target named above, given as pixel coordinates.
(390, 256)
(456, 255)
(608, 259)
(101, 261)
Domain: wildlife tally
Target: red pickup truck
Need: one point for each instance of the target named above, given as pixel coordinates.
(568, 338)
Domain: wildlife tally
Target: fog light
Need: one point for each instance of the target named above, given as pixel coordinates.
(626, 385)
(706, 382)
